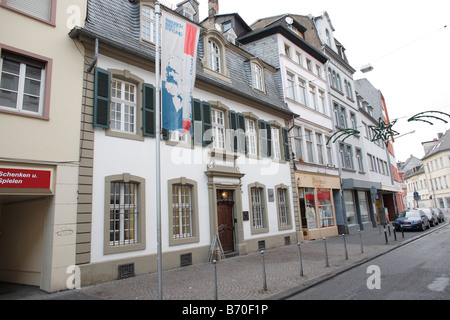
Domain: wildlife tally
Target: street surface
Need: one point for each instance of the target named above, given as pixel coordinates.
(419, 270)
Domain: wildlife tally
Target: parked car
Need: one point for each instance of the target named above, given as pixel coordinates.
(412, 220)
(439, 214)
(432, 218)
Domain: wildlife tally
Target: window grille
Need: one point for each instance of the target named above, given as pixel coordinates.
(182, 212)
(123, 214)
(257, 208)
(282, 207)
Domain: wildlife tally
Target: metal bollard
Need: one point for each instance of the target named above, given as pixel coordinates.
(264, 272)
(300, 259)
(345, 247)
(385, 235)
(326, 253)
(360, 238)
(395, 233)
(389, 228)
(216, 297)
(403, 233)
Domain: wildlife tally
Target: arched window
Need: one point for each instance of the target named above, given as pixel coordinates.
(214, 56)
(257, 77)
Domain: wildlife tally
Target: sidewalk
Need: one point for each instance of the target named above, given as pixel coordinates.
(241, 278)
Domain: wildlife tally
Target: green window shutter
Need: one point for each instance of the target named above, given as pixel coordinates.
(241, 133)
(207, 124)
(269, 140)
(102, 98)
(233, 133)
(197, 120)
(148, 110)
(287, 153)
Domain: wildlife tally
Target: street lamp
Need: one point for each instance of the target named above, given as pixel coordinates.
(366, 68)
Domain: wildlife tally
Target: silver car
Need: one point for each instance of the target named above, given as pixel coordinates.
(432, 218)
(439, 214)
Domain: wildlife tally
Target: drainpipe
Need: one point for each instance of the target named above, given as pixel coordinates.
(94, 62)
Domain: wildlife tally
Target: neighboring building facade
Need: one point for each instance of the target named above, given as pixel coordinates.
(231, 179)
(345, 116)
(284, 41)
(437, 170)
(41, 72)
(382, 172)
(417, 191)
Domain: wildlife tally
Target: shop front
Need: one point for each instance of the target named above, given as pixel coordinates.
(36, 229)
(317, 205)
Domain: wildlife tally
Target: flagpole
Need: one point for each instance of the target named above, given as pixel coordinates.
(158, 149)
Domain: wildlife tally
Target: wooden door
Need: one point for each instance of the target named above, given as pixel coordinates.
(226, 226)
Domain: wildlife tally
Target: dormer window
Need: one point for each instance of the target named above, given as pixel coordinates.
(328, 35)
(148, 27)
(214, 60)
(214, 56)
(257, 77)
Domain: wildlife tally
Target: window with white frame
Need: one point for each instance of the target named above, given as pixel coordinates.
(353, 121)
(309, 64)
(124, 213)
(298, 143)
(329, 152)
(214, 56)
(276, 143)
(298, 58)
(290, 90)
(251, 137)
(22, 84)
(218, 128)
(287, 50)
(178, 136)
(257, 77)
(309, 145)
(319, 71)
(322, 103)
(302, 89)
(348, 157)
(312, 102)
(319, 145)
(148, 24)
(360, 159)
(182, 211)
(123, 106)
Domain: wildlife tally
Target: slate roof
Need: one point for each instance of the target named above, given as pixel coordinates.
(371, 95)
(273, 25)
(117, 23)
(442, 145)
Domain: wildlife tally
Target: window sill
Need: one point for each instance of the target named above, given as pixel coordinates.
(23, 114)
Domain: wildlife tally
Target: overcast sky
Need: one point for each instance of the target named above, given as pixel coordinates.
(405, 42)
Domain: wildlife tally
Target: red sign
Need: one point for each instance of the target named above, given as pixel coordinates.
(24, 179)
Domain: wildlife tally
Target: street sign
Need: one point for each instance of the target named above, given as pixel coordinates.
(373, 193)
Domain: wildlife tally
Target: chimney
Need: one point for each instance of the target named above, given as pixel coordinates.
(213, 8)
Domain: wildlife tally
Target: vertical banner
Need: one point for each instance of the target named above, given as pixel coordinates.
(178, 70)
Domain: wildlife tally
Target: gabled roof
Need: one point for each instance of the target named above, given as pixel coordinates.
(442, 145)
(117, 23)
(278, 25)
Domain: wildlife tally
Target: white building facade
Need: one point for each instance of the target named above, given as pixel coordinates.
(230, 179)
